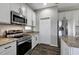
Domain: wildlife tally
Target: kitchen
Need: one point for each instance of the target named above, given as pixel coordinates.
(15, 40)
(39, 29)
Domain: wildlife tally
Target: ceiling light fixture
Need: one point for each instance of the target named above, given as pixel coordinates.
(44, 3)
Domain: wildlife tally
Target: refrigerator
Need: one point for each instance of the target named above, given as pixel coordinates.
(62, 29)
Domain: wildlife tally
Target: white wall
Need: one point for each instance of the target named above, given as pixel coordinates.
(52, 13)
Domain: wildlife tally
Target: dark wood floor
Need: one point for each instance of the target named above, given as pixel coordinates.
(43, 49)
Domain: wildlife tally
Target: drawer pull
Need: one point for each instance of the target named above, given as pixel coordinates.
(7, 47)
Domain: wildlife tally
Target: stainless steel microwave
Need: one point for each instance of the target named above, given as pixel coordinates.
(16, 18)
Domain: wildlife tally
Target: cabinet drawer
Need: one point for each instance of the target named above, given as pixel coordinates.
(7, 47)
(10, 51)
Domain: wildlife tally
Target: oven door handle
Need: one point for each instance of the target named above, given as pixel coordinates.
(23, 41)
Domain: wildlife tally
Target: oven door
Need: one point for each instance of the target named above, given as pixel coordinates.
(23, 47)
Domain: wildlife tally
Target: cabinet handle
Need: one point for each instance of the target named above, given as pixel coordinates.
(7, 47)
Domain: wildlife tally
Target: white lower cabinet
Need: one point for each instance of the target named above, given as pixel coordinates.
(67, 50)
(8, 49)
(74, 51)
(34, 40)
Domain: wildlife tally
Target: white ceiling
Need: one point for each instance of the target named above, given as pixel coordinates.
(61, 6)
(40, 5)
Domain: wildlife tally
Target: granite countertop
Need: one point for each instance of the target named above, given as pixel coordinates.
(71, 41)
(4, 41)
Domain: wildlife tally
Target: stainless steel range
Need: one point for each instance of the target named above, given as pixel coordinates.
(23, 41)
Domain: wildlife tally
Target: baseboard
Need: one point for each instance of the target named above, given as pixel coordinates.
(53, 45)
(49, 44)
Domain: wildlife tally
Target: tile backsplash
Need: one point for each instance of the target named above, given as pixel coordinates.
(10, 27)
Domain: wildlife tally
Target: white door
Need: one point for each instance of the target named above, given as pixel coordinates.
(45, 31)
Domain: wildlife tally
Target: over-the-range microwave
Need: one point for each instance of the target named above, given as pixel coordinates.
(16, 18)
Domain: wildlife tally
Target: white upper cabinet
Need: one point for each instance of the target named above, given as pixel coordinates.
(29, 16)
(76, 17)
(28, 13)
(66, 14)
(34, 19)
(72, 16)
(6, 8)
(61, 15)
(15, 7)
(4, 13)
(69, 17)
(24, 9)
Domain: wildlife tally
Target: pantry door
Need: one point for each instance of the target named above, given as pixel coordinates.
(45, 30)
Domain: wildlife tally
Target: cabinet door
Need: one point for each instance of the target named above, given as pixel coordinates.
(76, 18)
(34, 19)
(15, 7)
(24, 9)
(29, 16)
(34, 41)
(11, 51)
(69, 17)
(62, 48)
(4, 13)
(61, 15)
(8, 49)
(74, 51)
(65, 49)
